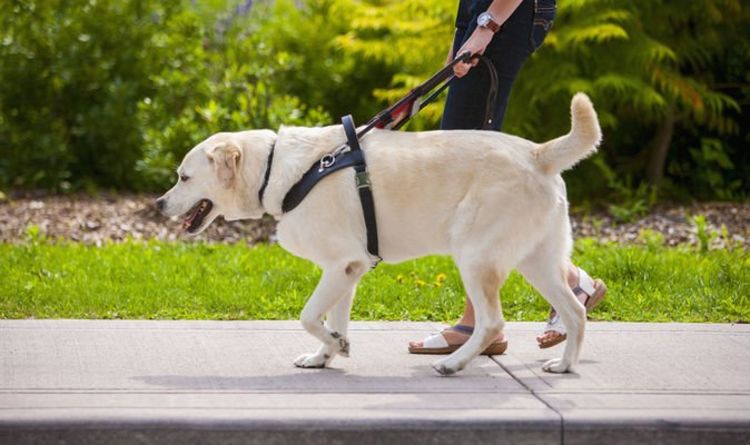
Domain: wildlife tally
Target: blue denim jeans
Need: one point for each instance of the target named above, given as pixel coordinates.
(521, 35)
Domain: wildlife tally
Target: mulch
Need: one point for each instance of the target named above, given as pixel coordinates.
(105, 218)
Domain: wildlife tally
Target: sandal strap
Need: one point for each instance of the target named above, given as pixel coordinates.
(438, 341)
(555, 324)
(468, 330)
(435, 341)
(586, 287)
(585, 284)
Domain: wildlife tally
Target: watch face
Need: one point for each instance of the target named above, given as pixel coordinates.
(483, 19)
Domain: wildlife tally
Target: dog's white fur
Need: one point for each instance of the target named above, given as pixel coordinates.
(492, 201)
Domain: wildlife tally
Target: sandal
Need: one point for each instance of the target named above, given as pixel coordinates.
(594, 290)
(437, 344)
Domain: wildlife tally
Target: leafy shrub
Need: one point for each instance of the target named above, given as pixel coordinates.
(70, 81)
(656, 72)
(214, 81)
(106, 93)
(90, 90)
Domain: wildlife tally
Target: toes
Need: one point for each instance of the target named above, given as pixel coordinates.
(547, 366)
(446, 367)
(309, 361)
(548, 337)
(556, 366)
(300, 361)
(443, 370)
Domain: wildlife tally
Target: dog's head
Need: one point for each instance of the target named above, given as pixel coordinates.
(219, 176)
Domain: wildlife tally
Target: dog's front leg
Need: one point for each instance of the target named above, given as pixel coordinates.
(338, 318)
(333, 293)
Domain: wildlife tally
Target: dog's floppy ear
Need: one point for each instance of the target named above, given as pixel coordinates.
(226, 158)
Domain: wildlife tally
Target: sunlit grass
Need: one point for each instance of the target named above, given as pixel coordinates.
(42, 279)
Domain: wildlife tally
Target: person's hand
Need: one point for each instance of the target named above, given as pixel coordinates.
(476, 44)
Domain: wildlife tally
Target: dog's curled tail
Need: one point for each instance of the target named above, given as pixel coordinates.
(566, 151)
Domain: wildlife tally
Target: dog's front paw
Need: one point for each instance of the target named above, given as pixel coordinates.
(557, 366)
(311, 361)
(443, 367)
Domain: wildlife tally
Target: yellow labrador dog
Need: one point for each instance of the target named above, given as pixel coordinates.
(492, 201)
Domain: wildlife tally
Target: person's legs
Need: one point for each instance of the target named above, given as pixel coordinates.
(465, 106)
(549, 338)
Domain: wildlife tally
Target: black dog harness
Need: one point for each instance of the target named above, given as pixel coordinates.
(332, 163)
(392, 118)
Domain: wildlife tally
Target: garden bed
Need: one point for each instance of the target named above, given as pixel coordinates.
(95, 220)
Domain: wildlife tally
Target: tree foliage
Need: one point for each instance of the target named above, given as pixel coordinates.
(112, 93)
(648, 67)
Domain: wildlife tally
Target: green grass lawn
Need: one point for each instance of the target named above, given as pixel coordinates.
(43, 279)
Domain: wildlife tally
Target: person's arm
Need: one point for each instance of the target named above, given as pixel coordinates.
(500, 10)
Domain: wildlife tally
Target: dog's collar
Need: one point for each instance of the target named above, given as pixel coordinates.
(267, 176)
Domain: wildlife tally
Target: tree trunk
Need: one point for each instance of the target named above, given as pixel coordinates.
(659, 148)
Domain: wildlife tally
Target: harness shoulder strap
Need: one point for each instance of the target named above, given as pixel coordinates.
(315, 174)
(363, 187)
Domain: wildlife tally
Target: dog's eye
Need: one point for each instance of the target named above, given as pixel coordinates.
(184, 178)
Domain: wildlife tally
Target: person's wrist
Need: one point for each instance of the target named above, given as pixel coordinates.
(484, 31)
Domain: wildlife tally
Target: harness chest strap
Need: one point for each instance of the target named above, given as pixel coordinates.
(363, 187)
(330, 164)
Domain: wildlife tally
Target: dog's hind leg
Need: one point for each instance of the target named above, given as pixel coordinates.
(544, 268)
(482, 283)
(337, 283)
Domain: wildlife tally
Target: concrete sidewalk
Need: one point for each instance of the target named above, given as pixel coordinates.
(123, 382)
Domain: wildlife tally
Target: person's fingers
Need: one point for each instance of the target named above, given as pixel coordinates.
(460, 69)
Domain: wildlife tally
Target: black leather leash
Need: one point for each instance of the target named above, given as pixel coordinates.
(398, 114)
(489, 110)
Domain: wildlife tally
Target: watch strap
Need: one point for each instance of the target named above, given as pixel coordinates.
(488, 22)
(493, 25)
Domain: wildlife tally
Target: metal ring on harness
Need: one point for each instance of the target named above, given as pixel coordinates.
(326, 161)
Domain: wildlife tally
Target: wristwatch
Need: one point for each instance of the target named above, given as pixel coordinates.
(485, 20)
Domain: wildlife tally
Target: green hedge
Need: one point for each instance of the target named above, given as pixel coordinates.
(111, 93)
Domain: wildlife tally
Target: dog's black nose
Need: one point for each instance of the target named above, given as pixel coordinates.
(160, 204)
